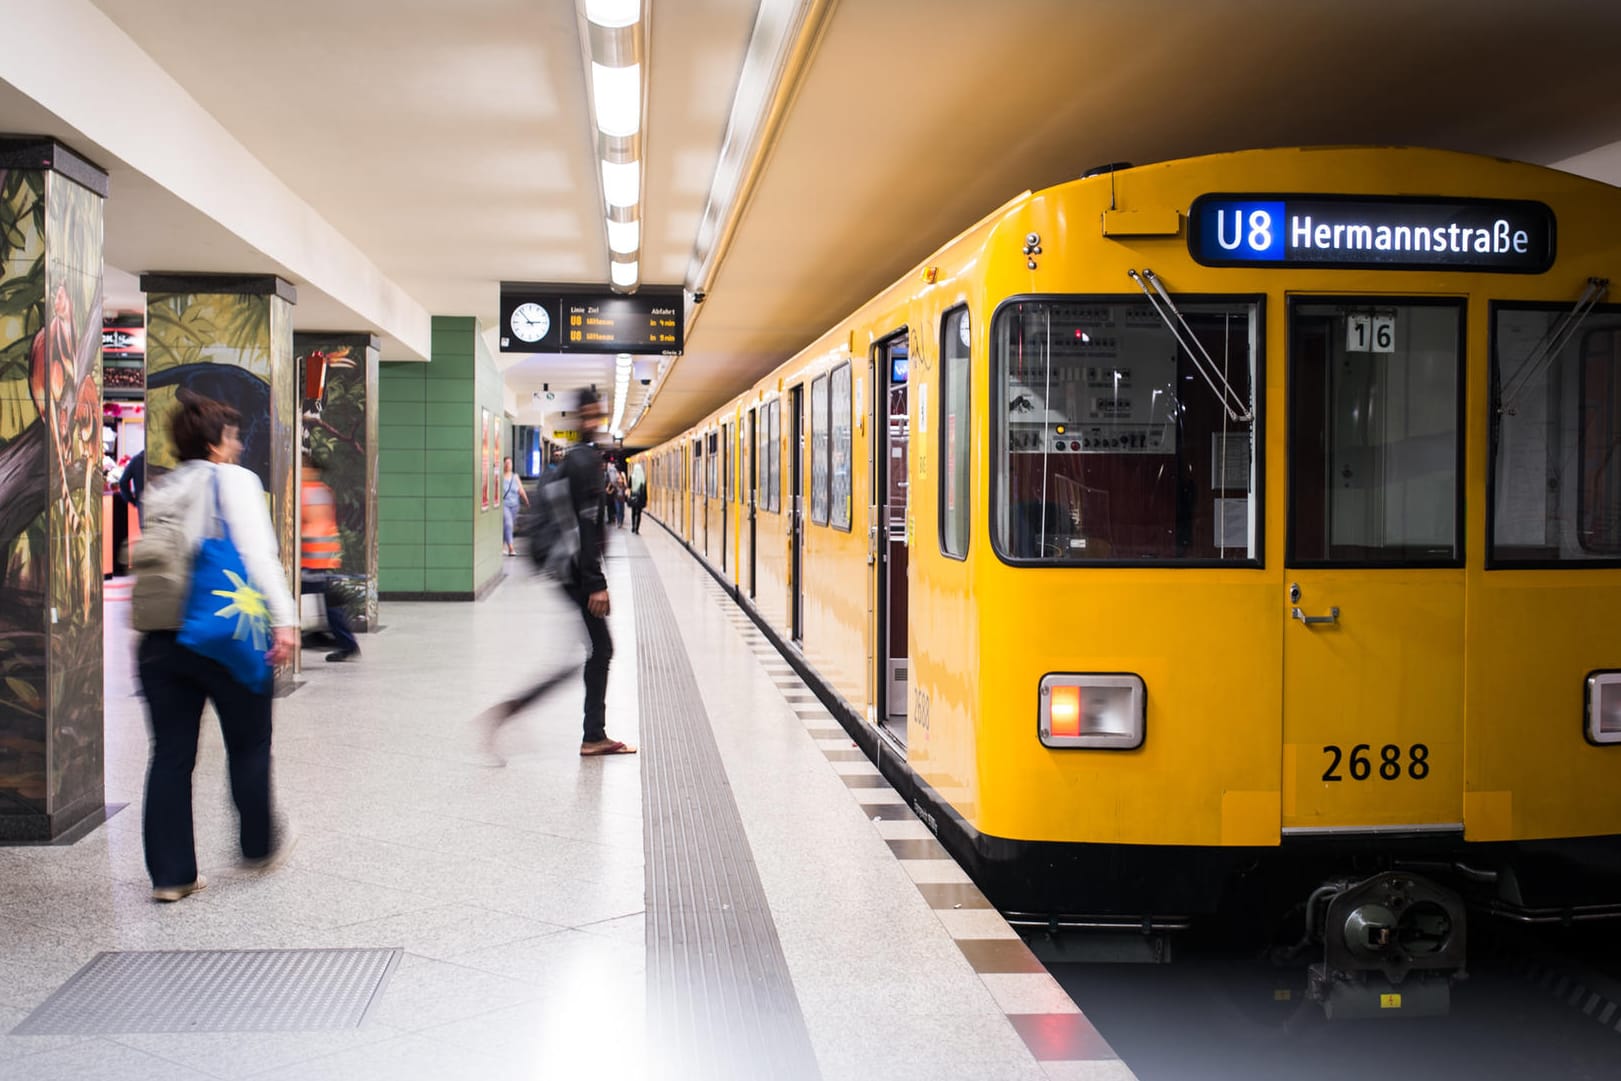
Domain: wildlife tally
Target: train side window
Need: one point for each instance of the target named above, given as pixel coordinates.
(776, 455)
(1556, 447)
(839, 481)
(955, 438)
(818, 451)
(1109, 443)
(727, 465)
(711, 465)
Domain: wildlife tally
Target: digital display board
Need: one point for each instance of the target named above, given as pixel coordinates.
(649, 321)
(1357, 231)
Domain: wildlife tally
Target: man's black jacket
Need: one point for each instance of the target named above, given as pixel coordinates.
(583, 468)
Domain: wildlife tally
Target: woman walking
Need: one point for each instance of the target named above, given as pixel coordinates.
(511, 492)
(177, 681)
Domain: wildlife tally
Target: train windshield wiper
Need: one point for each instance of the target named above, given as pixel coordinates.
(1552, 344)
(1231, 401)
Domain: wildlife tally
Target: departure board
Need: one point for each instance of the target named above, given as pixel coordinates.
(649, 321)
(629, 324)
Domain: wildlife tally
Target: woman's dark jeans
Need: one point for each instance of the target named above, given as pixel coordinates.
(176, 683)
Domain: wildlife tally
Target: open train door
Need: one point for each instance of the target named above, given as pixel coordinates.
(887, 531)
(751, 482)
(1373, 611)
(796, 511)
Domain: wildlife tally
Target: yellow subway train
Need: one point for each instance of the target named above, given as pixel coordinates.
(1251, 518)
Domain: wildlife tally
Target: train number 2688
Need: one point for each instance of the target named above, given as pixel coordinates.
(1389, 767)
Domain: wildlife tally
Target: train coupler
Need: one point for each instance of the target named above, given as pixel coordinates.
(1393, 945)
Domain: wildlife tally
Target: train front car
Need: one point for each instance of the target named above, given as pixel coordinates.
(1295, 556)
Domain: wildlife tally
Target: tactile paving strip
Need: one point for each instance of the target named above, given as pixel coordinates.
(215, 991)
(721, 1002)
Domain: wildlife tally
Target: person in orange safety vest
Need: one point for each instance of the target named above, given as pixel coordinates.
(321, 556)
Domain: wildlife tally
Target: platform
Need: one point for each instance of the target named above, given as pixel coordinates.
(745, 898)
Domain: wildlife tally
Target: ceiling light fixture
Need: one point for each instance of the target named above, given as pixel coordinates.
(624, 237)
(622, 183)
(613, 34)
(613, 13)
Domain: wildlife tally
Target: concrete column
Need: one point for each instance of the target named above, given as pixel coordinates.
(229, 337)
(51, 731)
(337, 375)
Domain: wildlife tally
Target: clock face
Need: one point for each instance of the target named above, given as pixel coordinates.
(530, 322)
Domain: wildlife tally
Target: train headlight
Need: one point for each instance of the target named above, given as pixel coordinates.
(1103, 712)
(1604, 707)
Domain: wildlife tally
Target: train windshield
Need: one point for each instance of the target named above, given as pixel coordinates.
(1556, 448)
(1113, 446)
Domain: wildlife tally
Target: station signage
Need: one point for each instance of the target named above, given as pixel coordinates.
(123, 342)
(1359, 231)
(536, 320)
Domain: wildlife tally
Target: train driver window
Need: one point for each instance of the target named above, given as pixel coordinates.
(1113, 444)
(1556, 447)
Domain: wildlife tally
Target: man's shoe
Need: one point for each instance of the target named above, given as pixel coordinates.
(175, 893)
(343, 655)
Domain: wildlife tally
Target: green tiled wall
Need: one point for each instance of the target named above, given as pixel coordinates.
(432, 532)
(488, 390)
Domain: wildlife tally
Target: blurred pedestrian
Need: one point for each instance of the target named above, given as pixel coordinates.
(132, 482)
(321, 558)
(177, 681)
(586, 588)
(511, 494)
(613, 487)
(638, 496)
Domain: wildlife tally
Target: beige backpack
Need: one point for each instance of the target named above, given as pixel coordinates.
(161, 558)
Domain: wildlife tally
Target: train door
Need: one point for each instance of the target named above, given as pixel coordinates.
(887, 530)
(751, 480)
(1373, 611)
(709, 485)
(725, 494)
(694, 489)
(796, 511)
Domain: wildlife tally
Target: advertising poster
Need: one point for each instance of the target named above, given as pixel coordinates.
(484, 461)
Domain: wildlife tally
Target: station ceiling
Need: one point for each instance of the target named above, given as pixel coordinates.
(400, 158)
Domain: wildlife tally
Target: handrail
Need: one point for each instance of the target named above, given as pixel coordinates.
(1203, 363)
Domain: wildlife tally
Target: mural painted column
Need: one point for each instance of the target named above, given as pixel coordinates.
(229, 337)
(51, 732)
(338, 380)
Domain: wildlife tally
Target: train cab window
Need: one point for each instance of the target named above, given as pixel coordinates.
(1113, 443)
(839, 469)
(1375, 423)
(1556, 447)
(954, 434)
(818, 449)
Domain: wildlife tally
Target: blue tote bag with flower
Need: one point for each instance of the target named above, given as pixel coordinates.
(226, 617)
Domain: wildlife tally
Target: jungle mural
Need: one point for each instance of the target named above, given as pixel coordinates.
(234, 348)
(50, 496)
(340, 435)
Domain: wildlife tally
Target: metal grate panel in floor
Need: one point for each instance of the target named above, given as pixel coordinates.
(215, 991)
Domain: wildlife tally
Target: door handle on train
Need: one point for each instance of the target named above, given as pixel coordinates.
(1332, 617)
(872, 545)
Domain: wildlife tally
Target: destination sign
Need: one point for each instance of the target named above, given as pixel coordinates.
(1354, 231)
(652, 320)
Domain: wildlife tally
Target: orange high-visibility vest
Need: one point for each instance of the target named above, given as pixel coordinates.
(322, 551)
